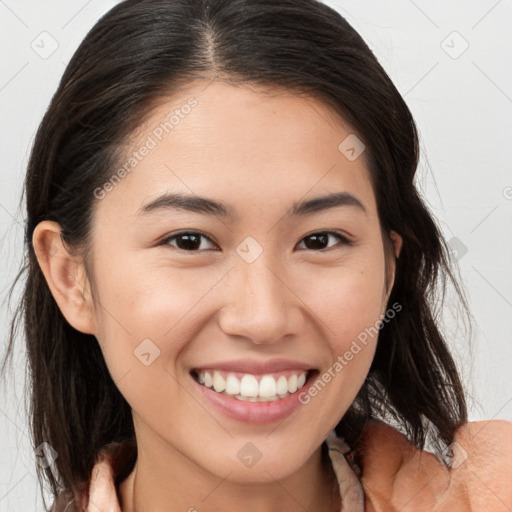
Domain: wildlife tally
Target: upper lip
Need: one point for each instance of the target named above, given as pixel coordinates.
(256, 367)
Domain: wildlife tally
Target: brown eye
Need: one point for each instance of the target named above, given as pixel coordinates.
(320, 241)
(190, 241)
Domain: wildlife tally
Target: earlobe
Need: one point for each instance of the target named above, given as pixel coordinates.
(65, 276)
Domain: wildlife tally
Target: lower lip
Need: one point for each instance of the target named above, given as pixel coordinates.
(254, 413)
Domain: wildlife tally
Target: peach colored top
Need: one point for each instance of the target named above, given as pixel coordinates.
(392, 476)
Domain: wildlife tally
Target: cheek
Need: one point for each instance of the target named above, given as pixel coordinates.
(142, 321)
(137, 302)
(147, 307)
(348, 299)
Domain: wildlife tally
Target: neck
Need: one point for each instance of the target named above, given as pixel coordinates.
(157, 486)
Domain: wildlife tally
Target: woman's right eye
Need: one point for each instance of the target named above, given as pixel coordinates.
(189, 241)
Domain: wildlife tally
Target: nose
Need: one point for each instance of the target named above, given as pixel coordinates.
(260, 305)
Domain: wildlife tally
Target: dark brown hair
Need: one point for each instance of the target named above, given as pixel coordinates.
(142, 51)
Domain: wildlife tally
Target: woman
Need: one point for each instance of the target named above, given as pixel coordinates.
(192, 344)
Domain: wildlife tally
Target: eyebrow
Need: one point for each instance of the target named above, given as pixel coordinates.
(206, 206)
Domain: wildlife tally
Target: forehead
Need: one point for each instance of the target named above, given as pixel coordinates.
(245, 114)
(242, 143)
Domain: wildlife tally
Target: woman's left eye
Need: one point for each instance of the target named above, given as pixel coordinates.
(319, 240)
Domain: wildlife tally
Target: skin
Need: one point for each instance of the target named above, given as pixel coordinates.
(259, 154)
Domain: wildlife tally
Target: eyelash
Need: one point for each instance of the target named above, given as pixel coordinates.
(342, 238)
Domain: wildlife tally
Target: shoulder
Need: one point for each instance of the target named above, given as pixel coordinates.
(394, 474)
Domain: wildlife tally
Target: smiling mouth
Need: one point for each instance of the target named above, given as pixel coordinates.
(269, 387)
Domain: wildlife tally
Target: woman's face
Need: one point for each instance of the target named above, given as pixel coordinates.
(257, 295)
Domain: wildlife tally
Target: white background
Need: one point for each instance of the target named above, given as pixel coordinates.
(462, 103)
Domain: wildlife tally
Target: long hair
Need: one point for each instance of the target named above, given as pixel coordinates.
(138, 54)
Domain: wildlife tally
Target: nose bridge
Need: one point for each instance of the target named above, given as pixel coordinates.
(259, 305)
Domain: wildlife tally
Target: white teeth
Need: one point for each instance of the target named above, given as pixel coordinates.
(267, 386)
(248, 389)
(292, 384)
(219, 384)
(282, 385)
(232, 385)
(249, 385)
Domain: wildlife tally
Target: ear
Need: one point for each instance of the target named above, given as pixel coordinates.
(396, 242)
(65, 275)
